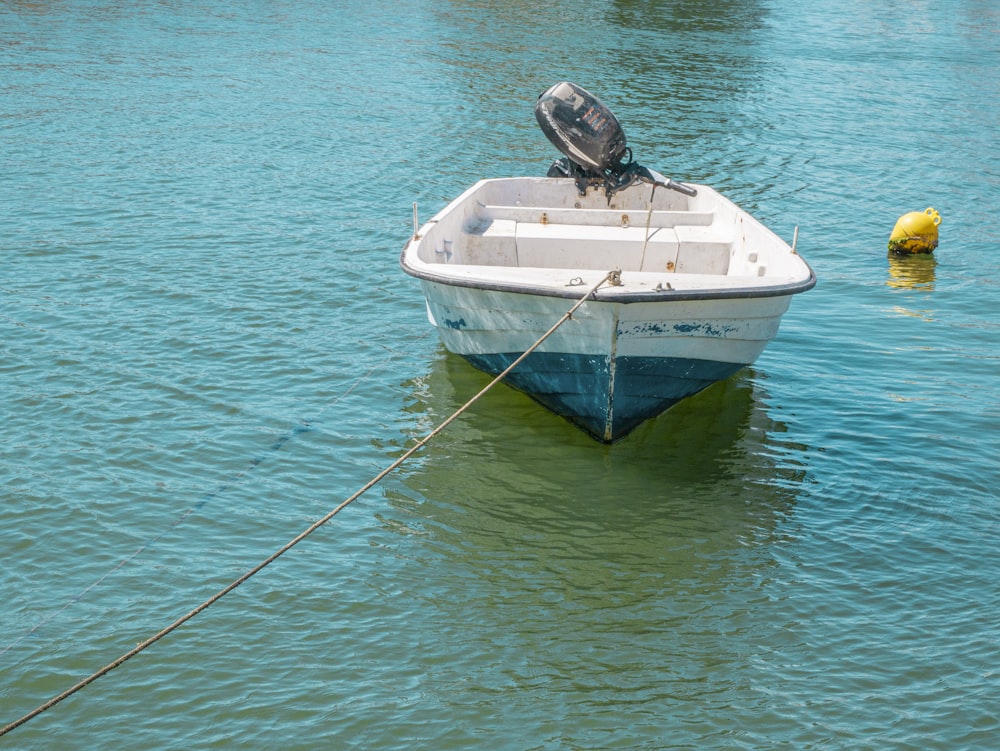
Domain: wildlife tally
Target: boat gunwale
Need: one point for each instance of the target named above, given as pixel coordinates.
(612, 294)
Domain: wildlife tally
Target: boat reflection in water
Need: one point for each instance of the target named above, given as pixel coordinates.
(606, 573)
(716, 462)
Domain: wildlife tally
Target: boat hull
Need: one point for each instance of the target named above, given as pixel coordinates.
(613, 365)
(607, 398)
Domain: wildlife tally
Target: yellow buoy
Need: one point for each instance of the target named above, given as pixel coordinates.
(916, 232)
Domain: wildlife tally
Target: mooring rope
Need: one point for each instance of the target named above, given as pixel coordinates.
(312, 528)
(649, 219)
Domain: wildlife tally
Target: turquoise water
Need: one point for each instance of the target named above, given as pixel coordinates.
(206, 344)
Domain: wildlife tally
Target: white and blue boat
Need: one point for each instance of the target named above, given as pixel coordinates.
(701, 290)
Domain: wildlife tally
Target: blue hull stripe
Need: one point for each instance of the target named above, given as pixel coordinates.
(578, 387)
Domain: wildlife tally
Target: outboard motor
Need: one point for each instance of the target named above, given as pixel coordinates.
(581, 127)
(587, 132)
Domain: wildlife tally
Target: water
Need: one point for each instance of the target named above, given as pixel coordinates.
(206, 344)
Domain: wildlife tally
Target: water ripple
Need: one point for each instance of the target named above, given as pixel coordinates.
(206, 343)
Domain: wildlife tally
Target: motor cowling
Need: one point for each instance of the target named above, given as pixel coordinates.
(582, 127)
(587, 132)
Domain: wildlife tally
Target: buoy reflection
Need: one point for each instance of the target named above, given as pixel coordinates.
(914, 271)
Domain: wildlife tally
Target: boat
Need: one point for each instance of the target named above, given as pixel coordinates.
(682, 287)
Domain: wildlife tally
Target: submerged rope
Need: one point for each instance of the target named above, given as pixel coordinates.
(312, 528)
(236, 477)
(303, 426)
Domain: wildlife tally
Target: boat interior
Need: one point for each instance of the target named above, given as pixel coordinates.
(639, 230)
